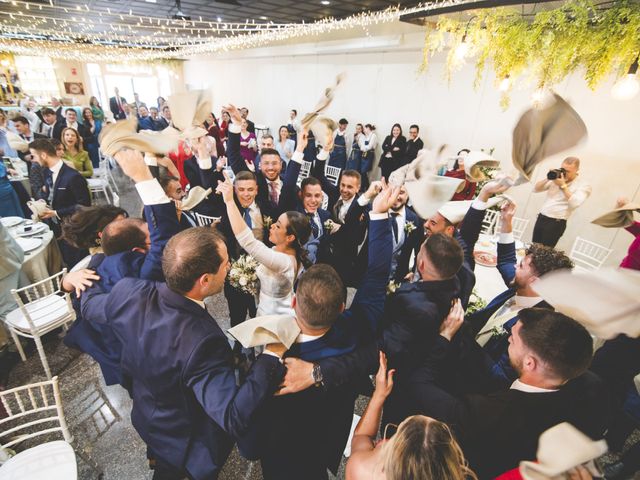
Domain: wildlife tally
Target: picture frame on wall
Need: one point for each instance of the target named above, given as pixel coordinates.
(73, 88)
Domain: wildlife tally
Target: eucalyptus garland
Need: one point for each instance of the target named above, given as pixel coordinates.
(599, 39)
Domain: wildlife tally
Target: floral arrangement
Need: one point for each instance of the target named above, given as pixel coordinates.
(267, 221)
(328, 225)
(242, 275)
(475, 303)
(409, 227)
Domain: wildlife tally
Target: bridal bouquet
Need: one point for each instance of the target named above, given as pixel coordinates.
(242, 275)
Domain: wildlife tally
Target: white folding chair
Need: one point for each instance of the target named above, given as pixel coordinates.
(42, 307)
(204, 220)
(35, 410)
(587, 255)
(325, 201)
(104, 170)
(332, 174)
(305, 171)
(489, 222)
(100, 184)
(519, 225)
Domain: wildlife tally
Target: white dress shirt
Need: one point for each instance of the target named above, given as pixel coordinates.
(523, 387)
(556, 204)
(55, 170)
(373, 142)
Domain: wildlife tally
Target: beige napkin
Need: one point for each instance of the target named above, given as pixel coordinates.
(37, 207)
(560, 449)
(618, 218)
(17, 142)
(265, 330)
(454, 211)
(542, 132)
(605, 301)
(323, 128)
(190, 109)
(476, 159)
(324, 102)
(195, 197)
(116, 136)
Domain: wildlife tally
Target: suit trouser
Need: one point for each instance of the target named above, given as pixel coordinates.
(240, 304)
(548, 231)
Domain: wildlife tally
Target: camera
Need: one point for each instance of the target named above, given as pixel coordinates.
(556, 173)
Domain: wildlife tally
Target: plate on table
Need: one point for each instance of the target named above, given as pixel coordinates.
(11, 221)
(29, 229)
(29, 244)
(486, 258)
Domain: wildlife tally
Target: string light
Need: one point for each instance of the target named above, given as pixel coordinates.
(142, 38)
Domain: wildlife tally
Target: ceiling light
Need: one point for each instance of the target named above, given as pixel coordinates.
(325, 2)
(462, 49)
(151, 1)
(219, 19)
(263, 17)
(627, 87)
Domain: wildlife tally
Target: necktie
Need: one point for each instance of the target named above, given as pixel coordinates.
(336, 211)
(314, 225)
(190, 218)
(48, 180)
(247, 218)
(394, 226)
(273, 193)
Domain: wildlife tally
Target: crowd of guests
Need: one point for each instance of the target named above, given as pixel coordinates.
(456, 395)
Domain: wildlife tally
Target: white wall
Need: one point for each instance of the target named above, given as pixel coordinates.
(383, 87)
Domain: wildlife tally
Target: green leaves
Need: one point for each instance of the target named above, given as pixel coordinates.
(577, 36)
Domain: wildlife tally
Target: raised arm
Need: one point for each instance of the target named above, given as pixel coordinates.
(236, 161)
(506, 244)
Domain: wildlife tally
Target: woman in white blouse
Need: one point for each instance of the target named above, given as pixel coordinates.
(285, 146)
(368, 143)
(280, 265)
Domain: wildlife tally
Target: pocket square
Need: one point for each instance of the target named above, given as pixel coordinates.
(265, 330)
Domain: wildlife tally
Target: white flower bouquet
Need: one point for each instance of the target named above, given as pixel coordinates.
(409, 227)
(242, 275)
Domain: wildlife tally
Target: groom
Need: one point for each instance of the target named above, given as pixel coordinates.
(304, 434)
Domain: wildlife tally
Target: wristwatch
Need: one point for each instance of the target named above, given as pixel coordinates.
(316, 375)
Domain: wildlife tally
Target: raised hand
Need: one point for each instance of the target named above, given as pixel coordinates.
(221, 163)
(303, 139)
(384, 379)
(225, 188)
(132, 164)
(234, 113)
(205, 147)
(374, 189)
(491, 188)
(454, 320)
(386, 198)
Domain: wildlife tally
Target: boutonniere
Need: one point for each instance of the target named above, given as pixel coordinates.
(328, 225)
(267, 221)
(392, 287)
(409, 227)
(498, 331)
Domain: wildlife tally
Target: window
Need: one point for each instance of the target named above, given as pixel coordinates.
(37, 77)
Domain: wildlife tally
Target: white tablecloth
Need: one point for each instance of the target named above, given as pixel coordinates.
(489, 282)
(44, 261)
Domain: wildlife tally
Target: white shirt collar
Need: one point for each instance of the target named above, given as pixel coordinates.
(199, 302)
(401, 213)
(523, 387)
(56, 168)
(526, 302)
(303, 338)
(73, 125)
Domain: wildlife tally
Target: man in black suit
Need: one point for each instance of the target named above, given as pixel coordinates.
(413, 146)
(186, 404)
(551, 353)
(71, 121)
(173, 190)
(251, 127)
(65, 191)
(304, 434)
(116, 105)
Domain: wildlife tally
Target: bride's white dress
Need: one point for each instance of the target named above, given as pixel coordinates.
(276, 272)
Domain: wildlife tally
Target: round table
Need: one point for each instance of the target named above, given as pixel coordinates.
(44, 261)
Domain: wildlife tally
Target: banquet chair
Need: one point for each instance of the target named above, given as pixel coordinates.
(489, 222)
(332, 174)
(325, 201)
(35, 410)
(101, 183)
(42, 307)
(204, 220)
(587, 255)
(519, 225)
(104, 167)
(305, 171)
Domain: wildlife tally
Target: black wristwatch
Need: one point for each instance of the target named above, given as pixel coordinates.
(316, 374)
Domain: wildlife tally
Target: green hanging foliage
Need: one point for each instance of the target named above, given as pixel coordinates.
(547, 47)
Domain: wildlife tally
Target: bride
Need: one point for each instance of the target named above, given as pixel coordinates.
(279, 265)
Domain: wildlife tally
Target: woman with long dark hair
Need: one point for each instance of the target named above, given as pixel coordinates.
(368, 142)
(468, 189)
(392, 151)
(280, 265)
(93, 126)
(213, 130)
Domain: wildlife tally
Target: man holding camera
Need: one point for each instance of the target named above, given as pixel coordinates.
(564, 194)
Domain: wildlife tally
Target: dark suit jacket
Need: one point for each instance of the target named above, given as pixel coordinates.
(92, 335)
(113, 106)
(22, 155)
(145, 123)
(322, 417)
(186, 405)
(396, 155)
(411, 150)
(69, 192)
(498, 430)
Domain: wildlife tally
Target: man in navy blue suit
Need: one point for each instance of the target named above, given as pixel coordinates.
(65, 191)
(303, 434)
(186, 405)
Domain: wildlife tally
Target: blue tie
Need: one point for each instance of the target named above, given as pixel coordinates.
(48, 180)
(247, 218)
(394, 227)
(314, 226)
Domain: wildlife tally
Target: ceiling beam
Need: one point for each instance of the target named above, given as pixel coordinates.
(467, 6)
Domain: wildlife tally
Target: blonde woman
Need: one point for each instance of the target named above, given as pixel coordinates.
(75, 152)
(421, 449)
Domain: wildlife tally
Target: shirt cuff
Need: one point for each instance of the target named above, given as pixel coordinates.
(204, 163)
(378, 216)
(323, 155)
(297, 157)
(363, 200)
(151, 161)
(269, 352)
(479, 204)
(506, 238)
(151, 192)
(233, 128)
